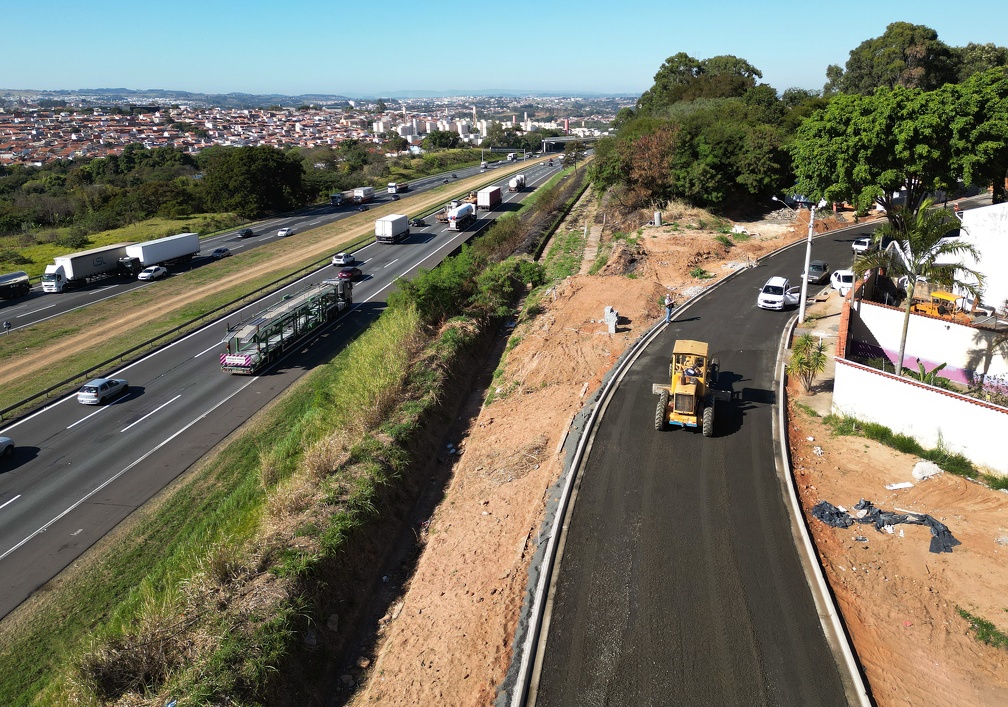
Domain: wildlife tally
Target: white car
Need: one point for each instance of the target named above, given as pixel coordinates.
(284, 232)
(777, 293)
(842, 281)
(341, 259)
(154, 272)
(100, 390)
(862, 245)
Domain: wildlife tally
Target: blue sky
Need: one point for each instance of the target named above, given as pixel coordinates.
(378, 48)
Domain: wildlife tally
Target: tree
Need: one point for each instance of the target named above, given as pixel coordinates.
(440, 139)
(574, 151)
(863, 149)
(808, 359)
(977, 58)
(252, 180)
(919, 249)
(683, 78)
(906, 55)
(980, 130)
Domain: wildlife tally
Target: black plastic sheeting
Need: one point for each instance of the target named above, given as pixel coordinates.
(941, 537)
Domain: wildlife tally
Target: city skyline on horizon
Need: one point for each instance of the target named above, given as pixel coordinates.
(258, 48)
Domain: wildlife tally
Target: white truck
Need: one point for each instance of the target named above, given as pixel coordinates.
(160, 251)
(511, 157)
(517, 183)
(76, 269)
(461, 216)
(398, 187)
(362, 195)
(391, 229)
(488, 197)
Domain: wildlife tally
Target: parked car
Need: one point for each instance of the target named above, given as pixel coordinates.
(341, 259)
(6, 446)
(362, 207)
(284, 232)
(350, 273)
(777, 293)
(219, 253)
(101, 390)
(818, 272)
(245, 233)
(862, 245)
(842, 281)
(417, 223)
(154, 272)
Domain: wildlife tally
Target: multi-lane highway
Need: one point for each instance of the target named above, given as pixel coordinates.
(77, 471)
(38, 306)
(679, 581)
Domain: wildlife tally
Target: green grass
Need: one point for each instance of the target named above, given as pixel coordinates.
(984, 630)
(700, 274)
(563, 258)
(952, 462)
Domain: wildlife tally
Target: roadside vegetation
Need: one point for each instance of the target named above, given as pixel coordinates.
(241, 581)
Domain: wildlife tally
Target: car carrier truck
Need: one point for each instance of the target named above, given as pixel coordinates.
(392, 228)
(259, 341)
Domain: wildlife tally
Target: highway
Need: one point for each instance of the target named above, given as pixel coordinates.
(678, 581)
(38, 306)
(77, 470)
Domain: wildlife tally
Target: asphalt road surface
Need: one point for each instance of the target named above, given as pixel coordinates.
(79, 470)
(679, 582)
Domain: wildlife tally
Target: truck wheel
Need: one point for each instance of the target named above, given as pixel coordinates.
(714, 371)
(661, 411)
(708, 421)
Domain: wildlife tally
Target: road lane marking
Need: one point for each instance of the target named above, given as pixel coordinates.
(115, 476)
(87, 417)
(208, 349)
(4, 505)
(151, 413)
(26, 314)
(390, 264)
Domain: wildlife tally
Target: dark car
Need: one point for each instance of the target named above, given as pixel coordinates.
(362, 207)
(245, 233)
(417, 223)
(445, 181)
(219, 253)
(395, 197)
(350, 273)
(818, 272)
(454, 176)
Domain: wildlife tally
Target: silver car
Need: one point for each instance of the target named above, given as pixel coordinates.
(101, 390)
(6, 446)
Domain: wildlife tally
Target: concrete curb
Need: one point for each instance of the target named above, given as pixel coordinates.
(829, 615)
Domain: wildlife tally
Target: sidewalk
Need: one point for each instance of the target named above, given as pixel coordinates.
(822, 320)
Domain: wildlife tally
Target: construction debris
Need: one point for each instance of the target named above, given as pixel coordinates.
(941, 537)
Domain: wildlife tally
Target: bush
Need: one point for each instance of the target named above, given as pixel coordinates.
(74, 240)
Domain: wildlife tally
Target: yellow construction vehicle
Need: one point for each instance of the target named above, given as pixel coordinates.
(688, 400)
(943, 305)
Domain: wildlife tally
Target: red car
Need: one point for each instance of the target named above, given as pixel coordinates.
(350, 273)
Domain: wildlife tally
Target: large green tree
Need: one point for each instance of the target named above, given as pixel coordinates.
(683, 78)
(906, 55)
(980, 130)
(252, 180)
(918, 248)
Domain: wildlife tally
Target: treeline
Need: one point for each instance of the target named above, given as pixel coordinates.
(708, 132)
(92, 195)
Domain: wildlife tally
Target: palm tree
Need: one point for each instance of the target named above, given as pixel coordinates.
(919, 249)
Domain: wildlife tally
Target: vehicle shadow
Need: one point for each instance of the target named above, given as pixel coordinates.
(731, 413)
(19, 457)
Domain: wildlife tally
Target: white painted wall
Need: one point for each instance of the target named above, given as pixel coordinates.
(930, 415)
(986, 228)
(962, 348)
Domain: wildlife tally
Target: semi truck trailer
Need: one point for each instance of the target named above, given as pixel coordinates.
(488, 198)
(14, 285)
(517, 183)
(76, 269)
(162, 251)
(392, 228)
(398, 187)
(362, 195)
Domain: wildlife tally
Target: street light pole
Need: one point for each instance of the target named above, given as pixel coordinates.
(808, 258)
